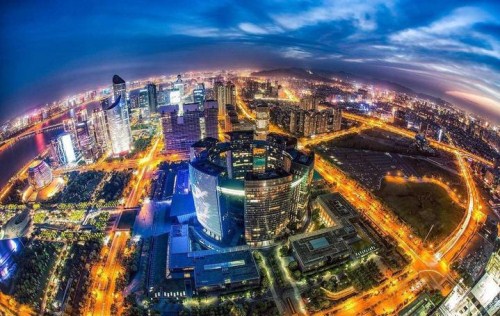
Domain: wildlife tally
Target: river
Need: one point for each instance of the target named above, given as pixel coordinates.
(12, 159)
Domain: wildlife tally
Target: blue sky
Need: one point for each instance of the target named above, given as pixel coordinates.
(447, 48)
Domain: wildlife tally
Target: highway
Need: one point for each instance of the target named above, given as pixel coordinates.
(104, 279)
(404, 132)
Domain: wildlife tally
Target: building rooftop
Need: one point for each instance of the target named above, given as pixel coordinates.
(321, 244)
(301, 157)
(216, 269)
(118, 80)
(207, 167)
(179, 239)
(182, 204)
(337, 206)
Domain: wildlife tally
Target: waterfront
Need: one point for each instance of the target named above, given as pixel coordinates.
(19, 154)
(12, 159)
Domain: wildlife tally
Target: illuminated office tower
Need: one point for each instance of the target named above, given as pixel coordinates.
(261, 122)
(163, 96)
(174, 97)
(226, 94)
(267, 206)
(231, 196)
(143, 103)
(84, 141)
(64, 149)
(152, 97)
(118, 120)
(178, 98)
(302, 170)
(119, 88)
(210, 112)
(240, 155)
(218, 92)
(117, 127)
(209, 212)
(98, 128)
(199, 93)
(181, 130)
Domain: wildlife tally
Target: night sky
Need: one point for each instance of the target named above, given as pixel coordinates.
(50, 49)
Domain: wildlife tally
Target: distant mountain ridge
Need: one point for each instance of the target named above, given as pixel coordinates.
(325, 75)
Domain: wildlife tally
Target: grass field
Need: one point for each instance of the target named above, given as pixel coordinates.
(422, 205)
(377, 140)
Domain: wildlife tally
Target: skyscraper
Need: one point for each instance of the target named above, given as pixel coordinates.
(64, 149)
(226, 94)
(199, 93)
(152, 97)
(84, 141)
(181, 130)
(144, 103)
(119, 88)
(98, 128)
(261, 122)
(233, 193)
(117, 119)
(267, 206)
(117, 126)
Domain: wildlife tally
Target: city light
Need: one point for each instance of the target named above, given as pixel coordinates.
(367, 183)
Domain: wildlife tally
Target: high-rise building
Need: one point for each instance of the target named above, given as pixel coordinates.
(118, 120)
(177, 94)
(163, 96)
(309, 103)
(306, 122)
(209, 125)
(117, 126)
(199, 93)
(261, 122)
(99, 130)
(152, 97)
(226, 94)
(233, 193)
(84, 141)
(119, 88)
(267, 206)
(64, 149)
(231, 118)
(337, 120)
(181, 130)
(209, 213)
(143, 103)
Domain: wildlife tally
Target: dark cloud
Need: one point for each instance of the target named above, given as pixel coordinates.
(56, 48)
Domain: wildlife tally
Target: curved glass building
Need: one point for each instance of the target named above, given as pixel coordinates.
(39, 174)
(256, 189)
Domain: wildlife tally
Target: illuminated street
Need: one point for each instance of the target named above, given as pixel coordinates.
(250, 158)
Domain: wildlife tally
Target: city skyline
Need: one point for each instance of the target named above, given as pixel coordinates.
(386, 40)
(306, 158)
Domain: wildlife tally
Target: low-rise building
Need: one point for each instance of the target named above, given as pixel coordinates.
(324, 247)
(212, 270)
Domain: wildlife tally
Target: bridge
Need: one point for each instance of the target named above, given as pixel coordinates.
(28, 133)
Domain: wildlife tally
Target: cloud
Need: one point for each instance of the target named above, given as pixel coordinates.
(259, 30)
(295, 53)
(488, 104)
(430, 46)
(453, 33)
(360, 13)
